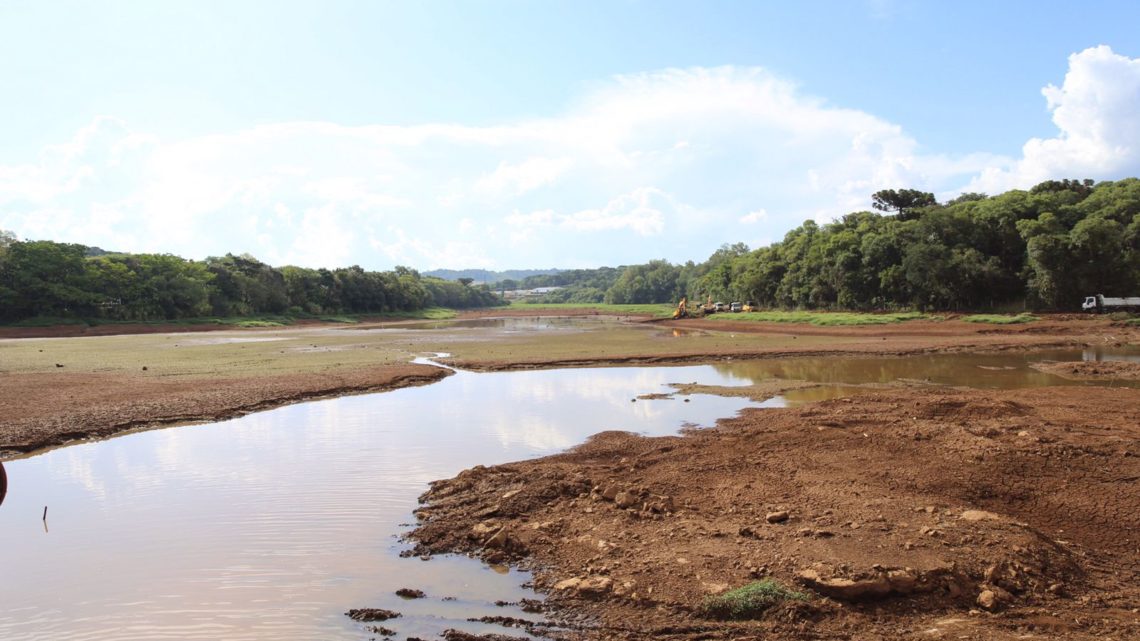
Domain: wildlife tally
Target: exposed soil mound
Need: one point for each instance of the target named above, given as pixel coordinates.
(904, 513)
(1092, 370)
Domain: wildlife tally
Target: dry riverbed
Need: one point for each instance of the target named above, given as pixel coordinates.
(57, 389)
(908, 512)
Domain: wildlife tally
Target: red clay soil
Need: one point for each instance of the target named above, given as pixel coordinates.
(926, 513)
(42, 410)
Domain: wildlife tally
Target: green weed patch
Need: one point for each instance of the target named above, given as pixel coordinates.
(748, 602)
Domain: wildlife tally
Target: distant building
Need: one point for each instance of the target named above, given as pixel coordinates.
(515, 294)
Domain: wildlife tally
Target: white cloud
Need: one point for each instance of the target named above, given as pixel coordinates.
(638, 211)
(517, 179)
(753, 217)
(644, 166)
(1097, 113)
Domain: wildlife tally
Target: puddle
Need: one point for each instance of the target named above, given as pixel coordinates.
(275, 524)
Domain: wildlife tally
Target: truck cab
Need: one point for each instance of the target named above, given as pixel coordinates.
(1089, 304)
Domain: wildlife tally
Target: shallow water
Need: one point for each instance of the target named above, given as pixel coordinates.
(1003, 370)
(274, 524)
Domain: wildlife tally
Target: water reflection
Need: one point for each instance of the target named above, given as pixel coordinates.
(274, 524)
(993, 371)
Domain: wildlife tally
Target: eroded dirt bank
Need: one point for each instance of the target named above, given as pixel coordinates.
(906, 513)
(42, 410)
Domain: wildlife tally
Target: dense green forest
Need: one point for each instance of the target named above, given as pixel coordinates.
(58, 280)
(1045, 248)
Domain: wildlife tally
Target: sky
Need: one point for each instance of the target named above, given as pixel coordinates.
(524, 134)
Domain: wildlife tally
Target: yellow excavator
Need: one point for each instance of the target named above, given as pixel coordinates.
(682, 310)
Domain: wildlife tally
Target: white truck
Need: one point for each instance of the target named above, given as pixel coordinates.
(1101, 304)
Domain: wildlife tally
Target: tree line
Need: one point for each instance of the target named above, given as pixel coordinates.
(62, 280)
(1044, 248)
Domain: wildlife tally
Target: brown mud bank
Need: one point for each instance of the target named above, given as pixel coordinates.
(902, 513)
(1092, 370)
(43, 410)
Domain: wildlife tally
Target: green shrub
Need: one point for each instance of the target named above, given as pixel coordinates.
(748, 602)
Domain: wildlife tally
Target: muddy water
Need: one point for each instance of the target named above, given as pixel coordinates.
(840, 376)
(272, 525)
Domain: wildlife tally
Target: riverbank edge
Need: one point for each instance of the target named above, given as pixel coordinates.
(70, 436)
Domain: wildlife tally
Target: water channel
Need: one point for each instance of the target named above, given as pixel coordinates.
(274, 524)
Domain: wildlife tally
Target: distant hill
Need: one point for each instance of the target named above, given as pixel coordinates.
(486, 276)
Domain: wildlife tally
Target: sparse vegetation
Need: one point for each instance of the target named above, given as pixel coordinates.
(1000, 319)
(749, 601)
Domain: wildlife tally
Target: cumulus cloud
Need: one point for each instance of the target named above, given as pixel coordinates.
(1097, 113)
(643, 166)
(753, 217)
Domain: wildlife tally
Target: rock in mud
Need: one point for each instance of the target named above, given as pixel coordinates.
(979, 515)
(410, 593)
(626, 499)
(460, 635)
(371, 614)
(875, 587)
(586, 586)
(778, 516)
(993, 598)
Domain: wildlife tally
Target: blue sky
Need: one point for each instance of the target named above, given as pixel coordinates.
(536, 134)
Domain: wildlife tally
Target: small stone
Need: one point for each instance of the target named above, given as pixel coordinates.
(498, 540)
(626, 499)
(777, 517)
(410, 593)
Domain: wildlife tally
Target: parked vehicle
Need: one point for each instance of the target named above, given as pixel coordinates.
(749, 306)
(720, 307)
(736, 307)
(1102, 304)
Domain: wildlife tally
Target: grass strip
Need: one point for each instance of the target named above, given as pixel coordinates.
(1000, 319)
